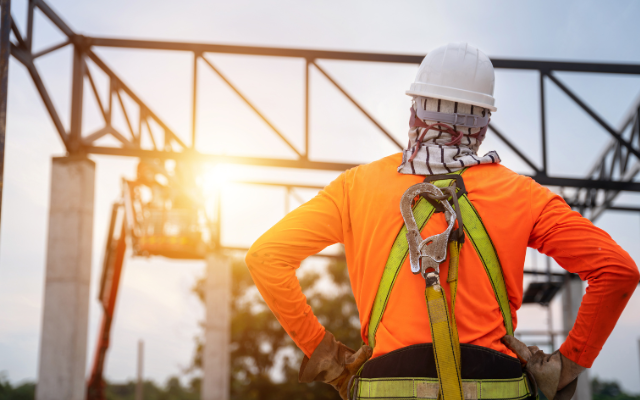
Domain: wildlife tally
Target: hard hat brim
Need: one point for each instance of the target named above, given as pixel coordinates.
(452, 94)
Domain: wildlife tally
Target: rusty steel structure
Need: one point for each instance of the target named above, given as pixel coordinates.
(613, 172)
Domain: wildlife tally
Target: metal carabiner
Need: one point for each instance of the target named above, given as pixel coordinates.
(431, 252)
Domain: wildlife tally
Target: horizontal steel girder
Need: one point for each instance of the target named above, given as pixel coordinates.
(353, 56)
(331, 166)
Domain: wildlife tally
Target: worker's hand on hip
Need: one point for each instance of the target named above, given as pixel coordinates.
(555, 375)
(334, 363)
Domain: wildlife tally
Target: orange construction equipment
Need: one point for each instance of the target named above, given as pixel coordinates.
(109, 283)
(165, 223)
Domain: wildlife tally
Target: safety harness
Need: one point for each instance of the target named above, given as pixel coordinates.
(446, 345)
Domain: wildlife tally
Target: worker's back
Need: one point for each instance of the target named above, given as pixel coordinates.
(371, 220)
(509, 206)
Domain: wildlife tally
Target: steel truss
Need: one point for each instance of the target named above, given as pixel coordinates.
(613, 172)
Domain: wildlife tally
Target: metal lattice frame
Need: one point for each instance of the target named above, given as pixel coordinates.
(614, 172)
(615, 163)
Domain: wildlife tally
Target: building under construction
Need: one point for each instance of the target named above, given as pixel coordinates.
(162, 212)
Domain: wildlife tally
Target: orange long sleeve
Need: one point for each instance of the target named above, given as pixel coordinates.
(274, 258)
(581, 248)
(361, 210)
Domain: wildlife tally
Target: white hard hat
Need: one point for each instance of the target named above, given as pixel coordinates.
(456, 72)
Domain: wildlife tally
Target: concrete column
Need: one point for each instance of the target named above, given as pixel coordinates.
(140, 382)
(571, 299)
(65, 317)
(215, 357)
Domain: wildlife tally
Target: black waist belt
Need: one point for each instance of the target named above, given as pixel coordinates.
(418, 361)
(410, 373)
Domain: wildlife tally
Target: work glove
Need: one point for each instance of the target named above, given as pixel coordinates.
(555, 375)
(334, 363)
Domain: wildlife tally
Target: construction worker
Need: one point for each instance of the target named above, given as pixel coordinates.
(447, 331)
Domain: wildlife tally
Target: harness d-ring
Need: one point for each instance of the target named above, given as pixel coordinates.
(432, 251)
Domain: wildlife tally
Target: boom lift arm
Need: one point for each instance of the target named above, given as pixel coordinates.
(154, 218)
(109, 283)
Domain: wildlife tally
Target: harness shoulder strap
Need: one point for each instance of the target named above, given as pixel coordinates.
(474, 229)
(479, 237)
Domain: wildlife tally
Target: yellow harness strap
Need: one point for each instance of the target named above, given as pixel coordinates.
(443, 327)
(444, 331)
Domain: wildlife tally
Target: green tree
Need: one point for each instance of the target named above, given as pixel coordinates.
(262, 352)
(172, 390)
(609, 390)
(24, 391)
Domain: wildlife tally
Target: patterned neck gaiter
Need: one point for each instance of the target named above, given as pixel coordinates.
(444, 147)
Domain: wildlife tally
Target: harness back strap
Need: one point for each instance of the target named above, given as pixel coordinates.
(477, 234)
(444, 332)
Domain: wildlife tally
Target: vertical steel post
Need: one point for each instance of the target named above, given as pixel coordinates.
(306, 109)
(218, 242)
(543, 124)
(549, 313)
(77, 91)
(5, 51)
(287, 202)
(29, 35)
(195, 92)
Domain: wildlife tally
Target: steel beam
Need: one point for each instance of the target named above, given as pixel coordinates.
(252, 106)
(222, 159)
(355, 103)
(354, 56)
(513, 148)
(115, 80)
(51, 49)
(194, 100)
(586, 183)
(25, 59)
(77, 96)
(30, 9)
(53, 17)
(543, 125)
(5, 51)
(595, 116)
(320, 165)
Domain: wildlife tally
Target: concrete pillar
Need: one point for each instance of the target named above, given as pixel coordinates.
(215, 357)
(140, 381)
(571, 299)
(65, 317)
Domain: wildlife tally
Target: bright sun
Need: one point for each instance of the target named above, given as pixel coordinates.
(216, 177)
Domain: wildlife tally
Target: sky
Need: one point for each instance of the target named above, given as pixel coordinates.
(156, 303)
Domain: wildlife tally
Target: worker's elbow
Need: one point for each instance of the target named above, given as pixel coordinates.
(254, 259)
(635, 274)
(631, 273)
(251, 258)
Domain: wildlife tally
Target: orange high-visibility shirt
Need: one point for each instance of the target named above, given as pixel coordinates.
(361, 209)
